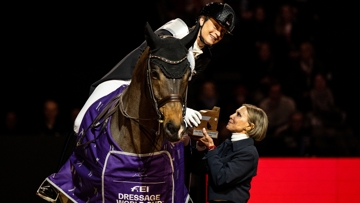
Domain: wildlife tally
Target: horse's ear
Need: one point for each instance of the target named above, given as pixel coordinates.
(189, 39)
(150, 36)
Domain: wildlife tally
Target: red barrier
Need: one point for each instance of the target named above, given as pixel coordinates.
(311, 180)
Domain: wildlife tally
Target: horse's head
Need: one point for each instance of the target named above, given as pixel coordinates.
(168, 76)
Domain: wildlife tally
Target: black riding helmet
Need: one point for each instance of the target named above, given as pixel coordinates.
(222, 13)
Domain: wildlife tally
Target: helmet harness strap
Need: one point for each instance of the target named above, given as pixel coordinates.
(201, 37)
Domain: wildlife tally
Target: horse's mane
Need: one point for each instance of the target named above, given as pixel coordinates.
(140, 64)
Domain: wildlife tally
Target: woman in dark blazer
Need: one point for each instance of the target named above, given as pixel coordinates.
(232, 165)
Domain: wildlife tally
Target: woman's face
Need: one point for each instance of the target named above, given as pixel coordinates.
(238, 122)
(211, 31)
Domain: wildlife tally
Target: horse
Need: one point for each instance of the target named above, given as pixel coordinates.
(132, 131)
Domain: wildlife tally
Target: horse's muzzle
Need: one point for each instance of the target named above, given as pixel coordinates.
(172, 131)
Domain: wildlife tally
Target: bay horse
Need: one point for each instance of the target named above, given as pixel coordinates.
(128, 147)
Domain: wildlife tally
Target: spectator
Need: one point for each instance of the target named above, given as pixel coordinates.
(208, 96)
(245, 39)
(295, 139)
(287, 31)
(240, 95)
(12, 124)
(263, 71)
(50, 123)
(263, 30)
(278, 107)
(301, 73)
(324, 111)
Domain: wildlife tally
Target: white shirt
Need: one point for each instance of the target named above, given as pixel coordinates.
(238, 136)
(196, 49)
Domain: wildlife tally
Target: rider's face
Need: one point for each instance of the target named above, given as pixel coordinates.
(212, 32)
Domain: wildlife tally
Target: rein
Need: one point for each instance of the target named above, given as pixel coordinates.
(109, 110)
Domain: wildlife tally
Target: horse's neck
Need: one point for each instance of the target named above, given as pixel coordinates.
(134, 125)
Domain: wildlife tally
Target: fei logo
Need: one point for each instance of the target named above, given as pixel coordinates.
(140, 189)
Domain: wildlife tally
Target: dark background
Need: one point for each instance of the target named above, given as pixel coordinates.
(58, 49)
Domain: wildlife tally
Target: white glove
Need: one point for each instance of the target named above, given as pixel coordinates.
(192, 117)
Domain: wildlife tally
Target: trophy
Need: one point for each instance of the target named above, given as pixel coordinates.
(209, 121)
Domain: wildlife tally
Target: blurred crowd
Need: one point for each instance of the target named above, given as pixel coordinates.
(275, 59)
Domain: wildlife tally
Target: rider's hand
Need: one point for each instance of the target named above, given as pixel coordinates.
(192, 117)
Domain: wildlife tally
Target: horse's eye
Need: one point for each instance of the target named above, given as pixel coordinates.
(155, 75)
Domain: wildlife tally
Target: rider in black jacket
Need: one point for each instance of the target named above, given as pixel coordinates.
(220, 13)
(216, 20)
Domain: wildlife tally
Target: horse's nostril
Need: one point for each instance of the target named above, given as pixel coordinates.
(172, 128)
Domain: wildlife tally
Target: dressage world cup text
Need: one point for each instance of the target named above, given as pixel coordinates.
(134, 198)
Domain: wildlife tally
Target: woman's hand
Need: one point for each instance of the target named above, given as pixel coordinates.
(206, 139)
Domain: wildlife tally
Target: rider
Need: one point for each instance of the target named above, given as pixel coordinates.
(216, 19)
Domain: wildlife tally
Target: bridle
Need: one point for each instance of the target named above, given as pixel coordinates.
(169, 98)
(157, 104)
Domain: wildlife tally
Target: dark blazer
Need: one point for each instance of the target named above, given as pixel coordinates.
(231, 167)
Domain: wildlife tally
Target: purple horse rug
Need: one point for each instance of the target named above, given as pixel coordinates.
(101, 172)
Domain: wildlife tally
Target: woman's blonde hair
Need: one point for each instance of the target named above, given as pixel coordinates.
(258, 117)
